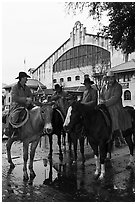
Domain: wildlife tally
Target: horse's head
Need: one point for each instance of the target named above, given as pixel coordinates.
(73, 116)
(47, 112)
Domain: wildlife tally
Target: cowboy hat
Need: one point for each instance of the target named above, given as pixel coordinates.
(22, 75)
(57, 86)
(110, 74)
(88, 81)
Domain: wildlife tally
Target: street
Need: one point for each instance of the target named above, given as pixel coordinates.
(63, 181)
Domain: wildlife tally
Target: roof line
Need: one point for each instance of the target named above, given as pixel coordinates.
(51, 54)
(132, 60)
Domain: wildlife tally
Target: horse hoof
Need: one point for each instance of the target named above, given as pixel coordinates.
(101, 177)
(96, 173)
(45, 162)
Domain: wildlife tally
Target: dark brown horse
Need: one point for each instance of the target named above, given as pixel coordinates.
(57, 121)
(30, 133)
(129, 134)
(97, 130)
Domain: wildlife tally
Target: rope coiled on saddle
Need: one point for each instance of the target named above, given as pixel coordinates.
(16, 114)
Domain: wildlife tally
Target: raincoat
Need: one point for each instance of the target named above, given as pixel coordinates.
(19, 95)
(112, 95)
(90, 97)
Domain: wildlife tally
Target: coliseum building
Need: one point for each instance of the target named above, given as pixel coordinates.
(82, 55)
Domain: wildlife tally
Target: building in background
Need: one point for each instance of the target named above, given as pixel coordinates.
(82, 55)
(125, 74)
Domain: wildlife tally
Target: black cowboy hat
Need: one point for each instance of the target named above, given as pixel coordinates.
(22, 75)
(57, 86)
(88, 81)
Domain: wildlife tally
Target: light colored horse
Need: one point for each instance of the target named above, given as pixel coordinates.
(39, 121)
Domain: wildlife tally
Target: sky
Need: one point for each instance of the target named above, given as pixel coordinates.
(32, 31)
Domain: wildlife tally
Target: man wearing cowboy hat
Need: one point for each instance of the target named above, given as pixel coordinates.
(112, 97)
(21, 96)
(60, 99)
(90, 93)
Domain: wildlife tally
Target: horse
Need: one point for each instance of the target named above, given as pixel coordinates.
(129, 133)
(57, 121)
(39, 121)
(98, 128)
(74, 136)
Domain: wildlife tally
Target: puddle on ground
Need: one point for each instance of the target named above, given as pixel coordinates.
(77, 180)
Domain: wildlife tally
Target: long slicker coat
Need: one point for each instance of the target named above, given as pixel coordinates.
(113, 100)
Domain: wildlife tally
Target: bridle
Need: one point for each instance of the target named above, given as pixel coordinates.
(42, 110)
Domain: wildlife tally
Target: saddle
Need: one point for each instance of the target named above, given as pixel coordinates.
(18, 117)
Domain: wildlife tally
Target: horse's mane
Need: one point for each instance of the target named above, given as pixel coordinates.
(34, 112)
(83, 108)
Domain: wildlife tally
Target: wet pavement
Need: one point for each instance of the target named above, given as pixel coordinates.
(63, 181)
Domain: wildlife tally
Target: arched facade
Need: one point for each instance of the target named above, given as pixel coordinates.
(82, 56)
(78, 56)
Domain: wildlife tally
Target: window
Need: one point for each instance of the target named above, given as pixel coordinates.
(69, 79)
(126, 78)
(127, 95)
(77, 78)
(80, 56)
(54, 80)
(61, 79)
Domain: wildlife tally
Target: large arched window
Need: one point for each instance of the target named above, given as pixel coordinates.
(127, 95)
(81, 56)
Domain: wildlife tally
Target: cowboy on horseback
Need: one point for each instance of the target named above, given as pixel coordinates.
(60, 97)
(21, 97)
(111, 96)
(90, 94)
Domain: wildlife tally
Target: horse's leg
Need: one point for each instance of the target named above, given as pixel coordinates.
(69, 141)
(96, 156)
(25, 158)
(75, 141)
(109, 149)
(59, 144)
(103, 154)
(51, 150)
(128, 138)
(8, 146)
(64, 139)
(32, 154)
(81, 141)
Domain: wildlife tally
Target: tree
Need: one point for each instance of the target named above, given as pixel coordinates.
(121, 28)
